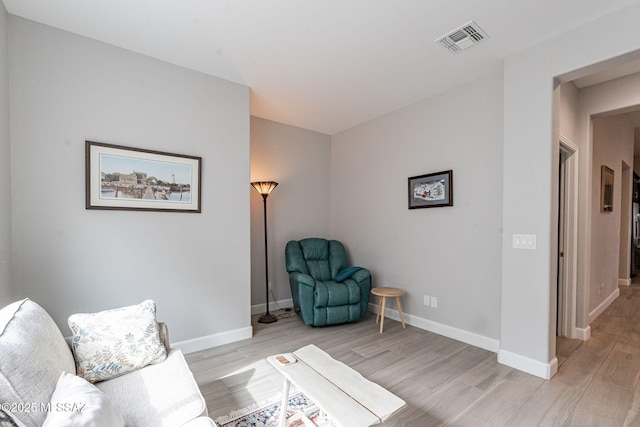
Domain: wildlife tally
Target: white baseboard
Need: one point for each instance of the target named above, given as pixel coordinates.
(603, 305)
(203, 343)
(522, 363)
(583, 334)
(516, 361)
(467, 337)
(530, 366)
(624, 282)
(262, 308)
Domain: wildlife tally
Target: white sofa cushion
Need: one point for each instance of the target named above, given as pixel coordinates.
(200, 422)
(78, 403)
(33, 354)
(114, 342)
(164, 394)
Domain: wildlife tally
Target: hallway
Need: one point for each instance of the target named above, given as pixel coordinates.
(601, 375)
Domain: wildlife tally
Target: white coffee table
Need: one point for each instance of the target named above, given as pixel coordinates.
(342, 393)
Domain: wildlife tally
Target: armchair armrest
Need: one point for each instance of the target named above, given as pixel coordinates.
(302, 279)
(361, 275)
(302, 289)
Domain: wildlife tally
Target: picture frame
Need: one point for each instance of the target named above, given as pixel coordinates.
(606, 189)
(135, 179)
(432, 190)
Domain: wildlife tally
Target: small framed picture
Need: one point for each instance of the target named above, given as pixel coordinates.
(126, 178)
(431, 190)
(606, 189)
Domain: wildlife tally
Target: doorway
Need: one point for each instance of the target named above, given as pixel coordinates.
(567, 239)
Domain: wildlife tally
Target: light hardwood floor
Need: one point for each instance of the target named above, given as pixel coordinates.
(443, 381)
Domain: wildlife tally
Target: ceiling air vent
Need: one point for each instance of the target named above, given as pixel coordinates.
(461, 38)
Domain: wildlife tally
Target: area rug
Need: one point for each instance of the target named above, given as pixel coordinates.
(267, 414)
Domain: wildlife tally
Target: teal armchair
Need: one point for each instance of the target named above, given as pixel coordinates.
(323, 286)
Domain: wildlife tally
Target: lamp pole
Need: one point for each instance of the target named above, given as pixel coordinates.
(264, 188)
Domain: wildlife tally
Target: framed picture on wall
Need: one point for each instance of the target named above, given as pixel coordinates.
(606, 189)
(431, 190)
(126, 178)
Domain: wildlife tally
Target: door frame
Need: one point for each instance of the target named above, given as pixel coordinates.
(626, 207)
(569, 271)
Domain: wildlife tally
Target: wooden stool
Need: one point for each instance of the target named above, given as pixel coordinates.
(383, 293)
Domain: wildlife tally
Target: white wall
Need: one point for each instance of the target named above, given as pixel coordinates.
(5, 164)
(612, 144)
(568, 112)
(616, 95)
(299, 160)
(530, 159)
(575, 111)
(66, 89)
(452, 253)
(570, 127)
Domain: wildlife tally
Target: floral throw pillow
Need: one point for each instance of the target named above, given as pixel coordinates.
(113, 342)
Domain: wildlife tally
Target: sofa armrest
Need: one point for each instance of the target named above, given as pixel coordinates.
(162, 394)
(200, 422)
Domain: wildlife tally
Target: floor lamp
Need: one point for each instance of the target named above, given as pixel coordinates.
(264, 188)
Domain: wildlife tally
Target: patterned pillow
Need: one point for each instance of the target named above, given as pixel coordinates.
(113, 342)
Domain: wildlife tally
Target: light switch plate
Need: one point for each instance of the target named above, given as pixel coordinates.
(524, 241)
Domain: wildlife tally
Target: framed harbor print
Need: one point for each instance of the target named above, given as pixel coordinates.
(126, 178)
(431, 190)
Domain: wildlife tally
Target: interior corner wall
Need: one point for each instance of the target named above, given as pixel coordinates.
(528, 284)
(612, 144)
(66, 89)
(570, 128)
(451, 253)
(5, 165)
(605, 134)
(568, 112)
(299, 160)
(576, 110)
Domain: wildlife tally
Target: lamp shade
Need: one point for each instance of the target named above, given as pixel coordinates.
(264, 187)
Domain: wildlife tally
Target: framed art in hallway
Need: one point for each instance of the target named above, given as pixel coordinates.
(431, 190)
(126, 178)
(606, 189)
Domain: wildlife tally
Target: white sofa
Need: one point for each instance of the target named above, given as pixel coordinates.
(34, 354)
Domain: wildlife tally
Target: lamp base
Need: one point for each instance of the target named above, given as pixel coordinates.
(267, 318)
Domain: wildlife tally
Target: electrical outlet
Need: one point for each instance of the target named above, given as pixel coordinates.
(434, 302)
(426, 300)
(269, 285)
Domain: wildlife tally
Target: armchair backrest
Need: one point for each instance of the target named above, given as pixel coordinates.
(322, 259)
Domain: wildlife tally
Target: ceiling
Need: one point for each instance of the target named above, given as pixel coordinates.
(321, 65)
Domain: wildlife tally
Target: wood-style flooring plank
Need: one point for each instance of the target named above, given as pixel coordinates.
(550, 405)
(443, 381)
(602, 404)
(497, 405)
